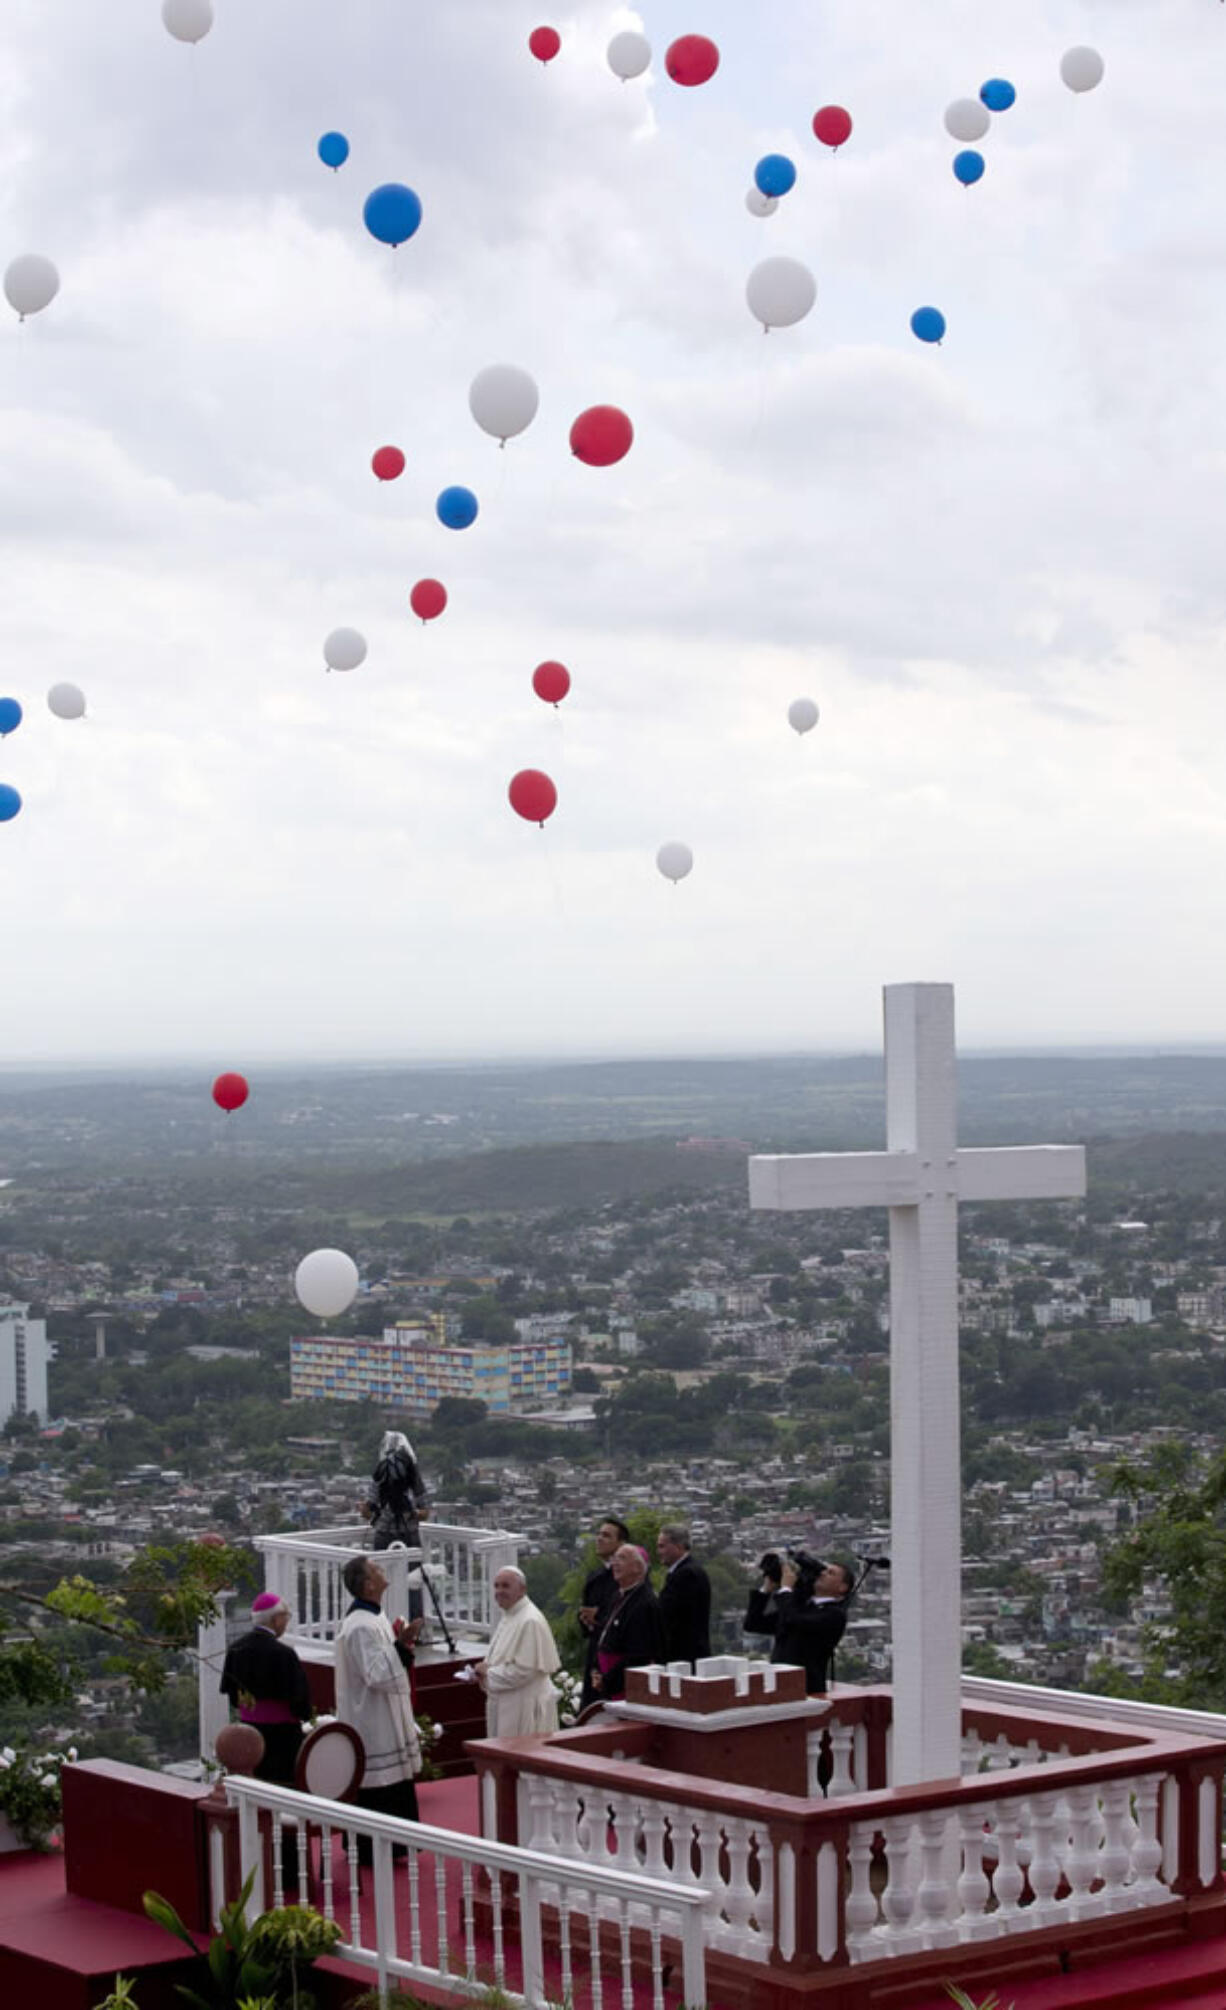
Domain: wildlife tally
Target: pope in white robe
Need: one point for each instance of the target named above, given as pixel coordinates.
(520, 1699)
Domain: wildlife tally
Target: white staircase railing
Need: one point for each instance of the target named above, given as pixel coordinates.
(431, 1892)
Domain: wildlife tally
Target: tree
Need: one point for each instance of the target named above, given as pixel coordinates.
(148, 1618)
(457, 1413)
(1179, 1536)
(979, 1657)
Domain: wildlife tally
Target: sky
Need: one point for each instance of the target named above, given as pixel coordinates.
(995, 565)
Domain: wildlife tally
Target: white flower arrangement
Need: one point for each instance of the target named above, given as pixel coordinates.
(30, 1792)
(570, 1695)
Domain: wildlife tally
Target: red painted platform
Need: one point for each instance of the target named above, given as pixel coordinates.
(1192, 1978)
(59, 1951)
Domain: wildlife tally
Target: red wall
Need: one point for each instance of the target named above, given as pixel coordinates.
(128, 1831)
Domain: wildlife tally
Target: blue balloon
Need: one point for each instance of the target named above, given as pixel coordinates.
(998, 94)
(10, 803)
(968, 166)
(928, 323)
(775, 174)
(457, 508)
(10, 716)
(391, 213)
(334, 150)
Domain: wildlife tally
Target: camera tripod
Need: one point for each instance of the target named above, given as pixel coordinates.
(417, 1561)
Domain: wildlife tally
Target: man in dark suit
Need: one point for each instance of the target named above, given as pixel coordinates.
(599, 1591)
(803, 1602)
(685, 1597)
(632, 1635)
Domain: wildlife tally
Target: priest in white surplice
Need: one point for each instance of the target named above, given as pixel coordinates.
(520, 1698)
(374, 1697)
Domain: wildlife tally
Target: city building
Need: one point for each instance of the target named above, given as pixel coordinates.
(411, 1367)
(1130, 1311)
(23, 1364)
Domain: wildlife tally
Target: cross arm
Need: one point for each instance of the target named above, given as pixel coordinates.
(834, 1179)
(1022, 1172)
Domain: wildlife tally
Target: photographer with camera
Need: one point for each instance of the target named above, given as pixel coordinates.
(803, 1603)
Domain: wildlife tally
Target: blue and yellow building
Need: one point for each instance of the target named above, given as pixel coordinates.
(411, 1367)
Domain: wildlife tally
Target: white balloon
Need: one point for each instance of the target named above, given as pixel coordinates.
(802, 715)
(1082, 68)
(967, 119)
(780, 292)
(67, 701)
(326, 1282)
(31, 283)
(629, 54)
(760, 205)
(188, 20)
(503, 400)
(344, 649)
(675, 860)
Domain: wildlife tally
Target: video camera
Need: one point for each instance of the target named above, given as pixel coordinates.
(809, 1566)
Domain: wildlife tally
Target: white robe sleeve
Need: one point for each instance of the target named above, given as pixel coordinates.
(379, 1665)
(502, 1675)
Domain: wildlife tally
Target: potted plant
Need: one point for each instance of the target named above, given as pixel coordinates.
(250, 1961)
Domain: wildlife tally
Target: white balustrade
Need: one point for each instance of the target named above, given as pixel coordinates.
(397, 1929)
(847, 1749)
(898, 1900)
(1025, 1860)
(1147, 1850)
(306, 1570)
(936, 1898)
(862, 1912)
(728, 1857)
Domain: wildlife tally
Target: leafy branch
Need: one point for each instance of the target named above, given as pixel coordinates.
(154, 1612)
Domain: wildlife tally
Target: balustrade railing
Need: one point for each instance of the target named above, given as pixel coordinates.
(1022, 1858)
(464, 1913)
(305, 1569)
(1053, 1823)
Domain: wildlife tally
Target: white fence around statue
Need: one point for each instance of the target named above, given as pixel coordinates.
(422, 1920)
(306, 1570)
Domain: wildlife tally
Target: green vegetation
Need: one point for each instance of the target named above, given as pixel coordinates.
(248, 1961)
(1178, 1537)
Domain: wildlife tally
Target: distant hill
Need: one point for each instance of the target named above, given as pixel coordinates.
(538, 1176)
(395, 1117)
(1174, 1161)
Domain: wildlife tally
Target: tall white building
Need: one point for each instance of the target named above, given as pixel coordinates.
(23, 1363)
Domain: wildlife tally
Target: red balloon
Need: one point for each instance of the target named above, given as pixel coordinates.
(544, 44)
(551, 681)
(230, 1092)
(388, 463)
(532, 796)
(601, 435)
(691, 59)
(832, 125)
(428, 599)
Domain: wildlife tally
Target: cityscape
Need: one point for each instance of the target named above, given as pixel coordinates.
(668, 1353)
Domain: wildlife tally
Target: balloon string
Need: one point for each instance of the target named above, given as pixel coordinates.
(760, 401)
(555, 880)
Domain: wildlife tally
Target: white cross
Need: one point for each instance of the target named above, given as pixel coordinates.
(921, 1177)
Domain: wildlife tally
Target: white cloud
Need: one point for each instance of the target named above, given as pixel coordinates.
(995, 565)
